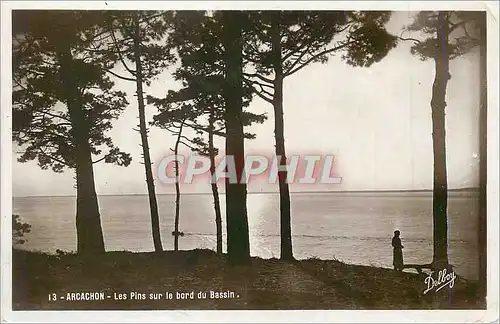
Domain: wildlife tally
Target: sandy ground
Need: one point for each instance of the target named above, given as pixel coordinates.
(133, 280)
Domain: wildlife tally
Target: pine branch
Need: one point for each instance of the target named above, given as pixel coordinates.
(103, 51)
(308, 45)
(260, 94)
(48, 63)
(18, 83)
(185, 137)
(99, 160)
(43, 133)
(249, 59)
(171, 130)
(217, 132)
(416, 41)
(191, 147)
(298, 60)
(263, 97)
(300, 37)
(42, 152)
(333, 49)
(262, 85)
(64, 124)
(94, 37)
(120, 76)
(258, 76)
(35, 72)
(146, 19)
(55, 116)
(133, 72)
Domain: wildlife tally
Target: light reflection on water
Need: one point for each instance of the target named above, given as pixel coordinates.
(356, 228)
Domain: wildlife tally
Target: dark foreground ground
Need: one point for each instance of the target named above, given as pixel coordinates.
(266, 284)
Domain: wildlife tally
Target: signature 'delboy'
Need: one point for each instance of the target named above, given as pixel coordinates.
(442, 280)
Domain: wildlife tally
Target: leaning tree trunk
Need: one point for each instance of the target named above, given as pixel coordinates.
(285, 217)
(90, 239)
(215, 189)
(177, 190)
(238, 243)
(153, 204)
(482, 226)
(440, 187)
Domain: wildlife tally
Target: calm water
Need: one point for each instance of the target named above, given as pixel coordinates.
(354, 227)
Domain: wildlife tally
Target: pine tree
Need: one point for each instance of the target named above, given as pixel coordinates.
(196, 37)
(174, 120)
(63, 104)
(281, 43)
(448, 35)
(139, 37)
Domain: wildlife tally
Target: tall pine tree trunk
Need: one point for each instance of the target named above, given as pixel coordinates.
(238, 243)
(90, 239)
(215, 189)
(218, 216)
(482, 226)
(438, 105)
(153, 205)
(279, 133)
(177, 190)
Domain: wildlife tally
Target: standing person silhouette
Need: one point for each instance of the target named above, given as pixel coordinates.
(397, 254)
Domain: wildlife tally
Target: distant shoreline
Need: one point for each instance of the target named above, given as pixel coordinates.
(472, 189)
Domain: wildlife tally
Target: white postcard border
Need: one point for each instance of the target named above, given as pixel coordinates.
(347, 316)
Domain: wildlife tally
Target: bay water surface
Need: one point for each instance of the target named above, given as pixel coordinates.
(352, 227)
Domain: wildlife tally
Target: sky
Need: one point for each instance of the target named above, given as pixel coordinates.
(376, 121)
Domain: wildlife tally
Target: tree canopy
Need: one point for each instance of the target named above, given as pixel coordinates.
(42, 125)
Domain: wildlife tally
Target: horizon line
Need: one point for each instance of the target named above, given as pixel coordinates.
(271, 192)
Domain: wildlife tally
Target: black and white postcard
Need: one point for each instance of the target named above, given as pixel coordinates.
(239, 161)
